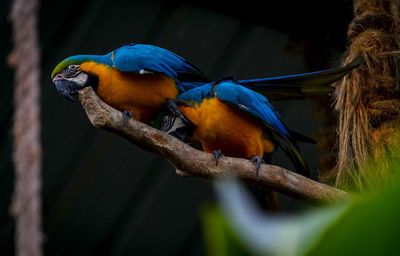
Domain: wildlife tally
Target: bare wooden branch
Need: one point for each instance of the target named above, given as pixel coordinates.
(192, 162)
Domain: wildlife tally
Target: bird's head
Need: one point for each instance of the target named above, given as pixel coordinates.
(69, 78)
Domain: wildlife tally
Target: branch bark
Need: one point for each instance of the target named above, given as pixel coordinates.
(192, 162)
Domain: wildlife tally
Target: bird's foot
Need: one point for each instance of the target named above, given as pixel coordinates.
(173, 108)
(127, 115)
(217, 155)
(257, 161)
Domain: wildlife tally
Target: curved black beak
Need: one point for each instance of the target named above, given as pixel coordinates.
(67, 88)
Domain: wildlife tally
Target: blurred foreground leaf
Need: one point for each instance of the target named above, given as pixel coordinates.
(367, 225)
(370, 227)
(220, 238)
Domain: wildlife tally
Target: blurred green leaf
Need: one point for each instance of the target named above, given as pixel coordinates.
(220, 238)
(366, 225)
(370, 227)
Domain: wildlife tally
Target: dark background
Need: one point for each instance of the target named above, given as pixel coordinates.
(104, 196)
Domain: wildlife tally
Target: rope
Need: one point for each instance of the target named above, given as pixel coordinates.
(368, 98)
(25, 58)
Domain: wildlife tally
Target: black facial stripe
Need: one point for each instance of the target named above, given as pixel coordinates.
(92, 81)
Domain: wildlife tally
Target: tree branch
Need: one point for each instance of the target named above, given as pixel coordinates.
(192, 162)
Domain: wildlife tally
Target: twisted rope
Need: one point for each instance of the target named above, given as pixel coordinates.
(368, 99)
(25, 58)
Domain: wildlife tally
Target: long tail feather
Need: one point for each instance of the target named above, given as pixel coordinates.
(300, 85)
(292, 151)
(302, 138)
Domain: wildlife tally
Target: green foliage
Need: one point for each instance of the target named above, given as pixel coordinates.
(382, 167)
(366, 225)
(370, 227)
(220, 238)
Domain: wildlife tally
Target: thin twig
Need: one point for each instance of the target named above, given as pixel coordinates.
(192, 162)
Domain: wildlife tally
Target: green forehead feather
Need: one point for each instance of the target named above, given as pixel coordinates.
(65, 63)
(79, 59)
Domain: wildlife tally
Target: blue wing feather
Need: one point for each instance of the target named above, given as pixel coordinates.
(253, 103)
(197, 94)
(137, 57)
(258, 106)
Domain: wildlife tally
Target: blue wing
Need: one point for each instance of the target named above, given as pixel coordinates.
(252, 103)
(197, 94)
(138, 58)
(258, 106)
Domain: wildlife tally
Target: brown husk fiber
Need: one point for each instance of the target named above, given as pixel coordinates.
(368, 98)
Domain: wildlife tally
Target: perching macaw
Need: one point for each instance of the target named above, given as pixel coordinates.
(141, 78)
(136, 78)
(229, 119)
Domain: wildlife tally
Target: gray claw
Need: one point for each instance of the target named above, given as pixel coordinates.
(127, 115)
(257, 161)
(217, 155)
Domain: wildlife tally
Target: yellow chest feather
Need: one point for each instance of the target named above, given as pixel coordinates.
(220, 126)
(142, 94)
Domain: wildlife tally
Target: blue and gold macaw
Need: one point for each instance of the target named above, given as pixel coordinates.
(141, 78)
(229, 119)
(136, 78)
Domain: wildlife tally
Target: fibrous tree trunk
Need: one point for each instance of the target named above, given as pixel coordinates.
(368, 99)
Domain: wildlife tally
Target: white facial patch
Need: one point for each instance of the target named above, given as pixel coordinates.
(80, 79)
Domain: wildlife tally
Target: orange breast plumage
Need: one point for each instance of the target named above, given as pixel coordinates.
(221, 126)
(142, 94)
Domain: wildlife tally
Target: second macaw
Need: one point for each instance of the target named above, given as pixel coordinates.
(141, 78)
(229, 119)
(235, 121)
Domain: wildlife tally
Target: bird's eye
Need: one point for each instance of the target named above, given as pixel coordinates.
(71, 71)
(74, 67)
